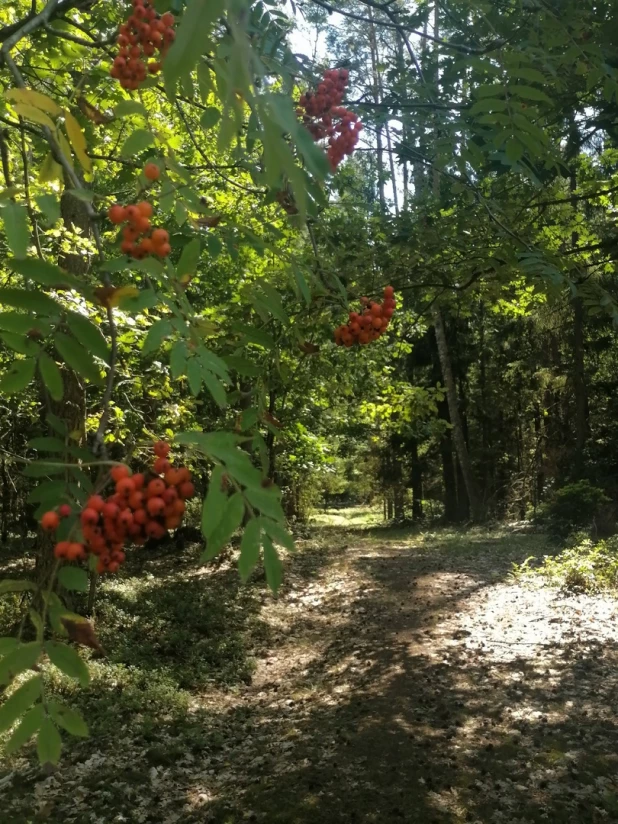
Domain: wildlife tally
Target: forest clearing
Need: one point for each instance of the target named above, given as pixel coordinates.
(308, 411)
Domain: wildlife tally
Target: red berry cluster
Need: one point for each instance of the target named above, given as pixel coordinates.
(370, 324)
(325, 117)
(139, 38)
(142, 506)
(138, 238)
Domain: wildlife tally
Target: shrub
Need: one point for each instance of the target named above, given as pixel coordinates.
(583, 566)
(572, 507)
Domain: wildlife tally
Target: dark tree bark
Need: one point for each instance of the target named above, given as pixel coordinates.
(416, 478)
(579, 387)
(459, 439)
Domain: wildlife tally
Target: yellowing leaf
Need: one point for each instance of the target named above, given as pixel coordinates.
(64, 146)
(78, 141)
(50, 170)
(32, 98)
(33, 114)
(123, 292)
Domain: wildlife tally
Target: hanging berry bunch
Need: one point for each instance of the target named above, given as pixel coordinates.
(369, 324)
(138, 237)
(143, 35)
(142, 506)
(326, 118)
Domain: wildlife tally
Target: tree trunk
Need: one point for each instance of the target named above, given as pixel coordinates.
(416, 482)
(456, 422)
(376, 99)
(579, 387)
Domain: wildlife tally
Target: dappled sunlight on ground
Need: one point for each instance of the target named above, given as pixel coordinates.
(398, 677)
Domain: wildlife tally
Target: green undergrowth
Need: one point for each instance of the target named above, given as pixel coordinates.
(584, 565)
(170, 632)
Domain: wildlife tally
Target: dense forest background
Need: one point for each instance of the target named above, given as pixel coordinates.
(483, 189)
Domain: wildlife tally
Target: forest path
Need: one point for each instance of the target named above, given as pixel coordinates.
(399, 677)
(410, 679)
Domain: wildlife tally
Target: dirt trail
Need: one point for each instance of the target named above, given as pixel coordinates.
(413, 681)
(408, 679)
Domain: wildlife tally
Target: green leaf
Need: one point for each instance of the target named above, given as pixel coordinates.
(136, 142)
(267, 501)
(487, 104)
(45, 273)
(529, 93)
(76, 357)
(214, 502)
(229, 522)
(128, 107)
(30, 724)
(22, 658)
(68, 661)
(50, 206)
(253, 335)
(248, 419)
(37, 302)
(48, 743)
(216, 389)
(46, 444)
(529, 74)
(213, 363)
(16, 322)
(85, 195)
(21, 344)
(178, 359)
(40, 469)
(15, 217)
(301, 282)
(277, 533)
(157, 333)
(249, 548)
(48, 490)
(489, 90)
(189, 259)
(51, 376)
(215, 247)
(243, 366)
(10, 585)
(194, 376)
(272, 565)
(20, 701)
(210, 117)
(7, 644)
(90, 335)
(514, 150)
(57, 424)
(192, 35)
(168, 196)
(18, 377)
(37, 622)
(67, 718)
(73, 578)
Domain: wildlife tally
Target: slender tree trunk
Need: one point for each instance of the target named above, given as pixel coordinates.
(416, 482)
(453, 407)
(448, 477)
(376, 97)
(579, 386)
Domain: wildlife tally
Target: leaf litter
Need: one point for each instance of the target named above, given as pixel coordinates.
(399, 677)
